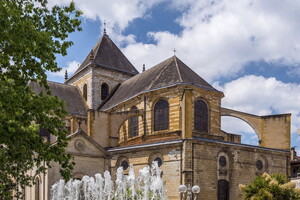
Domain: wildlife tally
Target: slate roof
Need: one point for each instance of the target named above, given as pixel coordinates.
(69, 94)
(106, 54)
(168, 73)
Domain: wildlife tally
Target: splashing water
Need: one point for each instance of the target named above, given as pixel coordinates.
(148, 186)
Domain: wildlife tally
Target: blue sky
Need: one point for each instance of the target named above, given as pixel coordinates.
(248, 49)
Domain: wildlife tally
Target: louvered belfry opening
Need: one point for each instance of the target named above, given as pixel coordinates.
(85, 92)
(104, 91)
(200, 116)
(133, 124)
(161, 115)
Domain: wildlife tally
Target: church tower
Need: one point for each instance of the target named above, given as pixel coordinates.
(101, 73)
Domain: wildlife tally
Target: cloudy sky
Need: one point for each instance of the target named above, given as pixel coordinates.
(249, 49)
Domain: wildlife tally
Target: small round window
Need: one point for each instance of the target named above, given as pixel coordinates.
(158, 160)
(222, 161)
(259, 165)
(124, 164)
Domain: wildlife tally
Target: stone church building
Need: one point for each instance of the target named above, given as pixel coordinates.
(166, 113)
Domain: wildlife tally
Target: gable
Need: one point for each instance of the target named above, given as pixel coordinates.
(82, 144)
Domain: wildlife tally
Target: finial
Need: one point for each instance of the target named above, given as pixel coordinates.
(144, 68)
(79, 123)
(66, 75)
(104, 30)
(174, 50)
(92, 55)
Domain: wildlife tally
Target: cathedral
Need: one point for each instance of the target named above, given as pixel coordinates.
(166, 113)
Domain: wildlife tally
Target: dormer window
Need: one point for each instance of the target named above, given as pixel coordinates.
(104, 91)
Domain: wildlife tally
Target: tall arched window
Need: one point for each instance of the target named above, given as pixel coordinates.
(104, 91)
(161, 115)
(37, 189)
(133, 124)
(200, 116)
(85, 91)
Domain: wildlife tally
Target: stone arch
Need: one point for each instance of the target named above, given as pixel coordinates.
(117, 119)
(273, 131)
(153, 156)
(253, 120)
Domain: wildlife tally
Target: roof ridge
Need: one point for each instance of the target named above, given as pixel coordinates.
(60, 83)
(177, 67)
(157, 77)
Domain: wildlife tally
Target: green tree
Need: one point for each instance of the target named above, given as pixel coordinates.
(31, 35)
(270, 187)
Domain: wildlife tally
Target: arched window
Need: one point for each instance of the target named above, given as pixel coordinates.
(37, 189)
(223, 190)
(104, 91)
(200, 116)
(133, 124)
(161, 115)
(85, 92)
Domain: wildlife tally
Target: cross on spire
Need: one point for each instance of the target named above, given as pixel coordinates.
(174, 50)
(104, 31)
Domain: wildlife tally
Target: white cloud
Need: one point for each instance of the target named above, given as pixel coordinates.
(263, 96)
(71, 68)
(117, 13)
(220, 38)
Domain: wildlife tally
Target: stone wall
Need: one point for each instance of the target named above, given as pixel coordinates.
(241, 167)
(141, 157)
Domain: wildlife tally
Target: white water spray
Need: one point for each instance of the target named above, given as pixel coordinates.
(148, 186)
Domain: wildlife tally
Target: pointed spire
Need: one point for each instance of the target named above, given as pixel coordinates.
(144, 68)
(174, 50)
(66, 75)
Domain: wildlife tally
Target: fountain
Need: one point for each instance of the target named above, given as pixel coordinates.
(147, 186)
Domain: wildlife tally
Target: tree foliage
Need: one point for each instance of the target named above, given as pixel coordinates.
(31, 35)
(270, 187)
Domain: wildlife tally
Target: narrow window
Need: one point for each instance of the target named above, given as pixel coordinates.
(133, 124)
(200, 116)
(85, 92)
(161, 115)
(104, 91)
(222, 161)
(37, 189)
